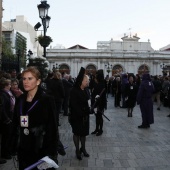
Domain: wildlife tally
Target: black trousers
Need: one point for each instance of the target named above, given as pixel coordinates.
(6, 139)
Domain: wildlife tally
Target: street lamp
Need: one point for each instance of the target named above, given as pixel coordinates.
(163, 67)
(108, 67)
(18, 59)
(57, 67)
(30, 53)
(43, 14)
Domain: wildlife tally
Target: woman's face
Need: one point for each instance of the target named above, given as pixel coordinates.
(131, 79)
(85, 82)
(30, 82)
(14, 85)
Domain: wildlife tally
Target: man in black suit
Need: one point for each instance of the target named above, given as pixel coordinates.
(67, 87)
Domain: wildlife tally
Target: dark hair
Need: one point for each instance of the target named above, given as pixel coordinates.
(14, 80)
(4, 82)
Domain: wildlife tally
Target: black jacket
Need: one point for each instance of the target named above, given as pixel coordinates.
(56, 89)
(67, 87)
(102, 101)
(43, 128)
(79, 111)
(5, 114)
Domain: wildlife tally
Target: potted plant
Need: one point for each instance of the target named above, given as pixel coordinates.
(44, 40)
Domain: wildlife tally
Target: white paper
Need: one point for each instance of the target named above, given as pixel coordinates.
(48, 163)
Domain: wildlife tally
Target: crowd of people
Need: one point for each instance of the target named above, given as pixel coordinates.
(30, 108)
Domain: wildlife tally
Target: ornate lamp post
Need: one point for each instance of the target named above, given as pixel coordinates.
(18, 60)
(57, 67)
(108, 67)
(30, 53)
(43, 14)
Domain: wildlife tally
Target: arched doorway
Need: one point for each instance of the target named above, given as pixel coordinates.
(117, 69)
(143, 69)
(63, 68)
(91, 69)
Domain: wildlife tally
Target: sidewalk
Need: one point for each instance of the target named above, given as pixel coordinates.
(122, 146)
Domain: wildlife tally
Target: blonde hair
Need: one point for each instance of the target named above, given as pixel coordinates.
(35, 72)
(57, 75)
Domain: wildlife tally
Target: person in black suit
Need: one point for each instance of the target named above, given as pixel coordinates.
(6, 116)
(35, 118)
(67, 87)
(56, 89)
(117, 90)
(99, 101)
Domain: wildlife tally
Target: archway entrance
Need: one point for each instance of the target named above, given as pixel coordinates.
(64, 69)
(143, 69)
(91, 69)
(117, 69)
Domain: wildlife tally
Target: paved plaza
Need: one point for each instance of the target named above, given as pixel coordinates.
(122, 146)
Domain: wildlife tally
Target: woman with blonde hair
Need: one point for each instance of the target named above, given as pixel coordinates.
(35, 117)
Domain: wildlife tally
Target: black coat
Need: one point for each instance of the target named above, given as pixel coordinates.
(131, 94)
(102, 101)
(67, 87)
(79, 111)
(56, 89)
(43, 128)
(5, 114)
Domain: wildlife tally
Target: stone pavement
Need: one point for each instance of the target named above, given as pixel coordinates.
(122, 146)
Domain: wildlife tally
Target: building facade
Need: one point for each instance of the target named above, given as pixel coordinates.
(114, 57)
(22, 26)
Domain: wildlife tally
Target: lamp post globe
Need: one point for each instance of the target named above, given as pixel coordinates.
(43, 9)
(43, 14)
(47, 21)
(108, 67)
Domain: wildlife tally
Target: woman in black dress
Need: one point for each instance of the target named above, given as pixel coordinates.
(79, 112)
(99, 101)
(130, 95)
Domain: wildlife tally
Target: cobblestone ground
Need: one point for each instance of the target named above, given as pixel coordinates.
(122, 146)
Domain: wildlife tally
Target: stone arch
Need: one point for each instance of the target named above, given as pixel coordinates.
(143, 69)
(117, 69)
(91, 69)
(64, 68)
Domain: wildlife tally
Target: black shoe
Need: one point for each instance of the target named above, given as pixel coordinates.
(148, 126)
(84, 152)
(6, 156)
(13, 153)
(2, 161)
(158, 108)
(168, 115)
(99, 133)
(142, 126)
(78, 154)
(93, 133)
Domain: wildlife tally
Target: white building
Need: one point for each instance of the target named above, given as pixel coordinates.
(21, 25)
(126, 56)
